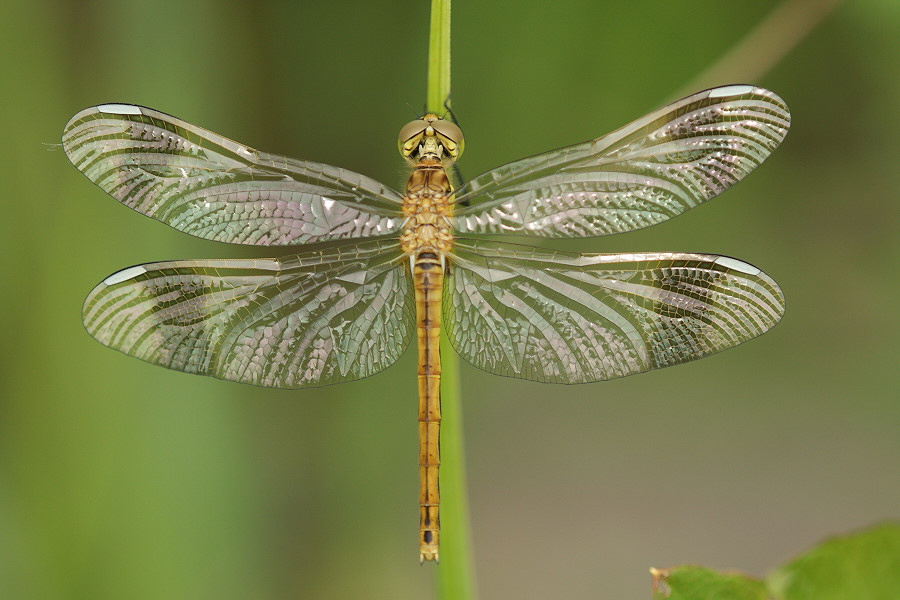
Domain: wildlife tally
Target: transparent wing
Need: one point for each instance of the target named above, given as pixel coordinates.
(305, 320)
(573, 318)
(206, 185)
(649, 171)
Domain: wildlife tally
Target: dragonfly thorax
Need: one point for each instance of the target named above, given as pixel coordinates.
(426, 206)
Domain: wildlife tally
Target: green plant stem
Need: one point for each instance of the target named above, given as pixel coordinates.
(455, 578)
(455, 573)
(437, 95)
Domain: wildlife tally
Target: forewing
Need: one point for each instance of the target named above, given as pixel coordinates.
(302, 321)
(574, 318)
(206, 185)
(651, 170)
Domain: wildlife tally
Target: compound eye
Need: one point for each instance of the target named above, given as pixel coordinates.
(449, 130)
(412, 130)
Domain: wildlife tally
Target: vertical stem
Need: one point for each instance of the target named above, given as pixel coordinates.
(455, 578)
(438, 92)
(454, 575)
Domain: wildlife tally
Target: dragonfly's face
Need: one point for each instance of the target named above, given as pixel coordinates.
(431, 137)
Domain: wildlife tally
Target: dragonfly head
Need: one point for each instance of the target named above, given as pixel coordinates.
(430, 137)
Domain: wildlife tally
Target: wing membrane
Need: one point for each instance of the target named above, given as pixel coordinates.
(206, 185)
(574, 318)
(306, 320)
(651, 170)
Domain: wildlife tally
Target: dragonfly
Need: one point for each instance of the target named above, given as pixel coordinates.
(377, 268)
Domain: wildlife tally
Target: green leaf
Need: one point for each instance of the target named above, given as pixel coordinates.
(700, 583)
(864, 566)
(861, 566)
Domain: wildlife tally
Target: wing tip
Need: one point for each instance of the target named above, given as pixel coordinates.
(93, 112)
(738, 265)
(737, 89)
(746, 89)
(112, 108)
(119, 109)
(776, 303)
(125, 275)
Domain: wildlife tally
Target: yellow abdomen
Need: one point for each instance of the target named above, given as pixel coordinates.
(427, 239)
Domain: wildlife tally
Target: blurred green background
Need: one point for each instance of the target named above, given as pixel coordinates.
(119, 479)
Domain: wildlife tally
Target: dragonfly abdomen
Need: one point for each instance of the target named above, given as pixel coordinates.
(428, 279)
(427, 238)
